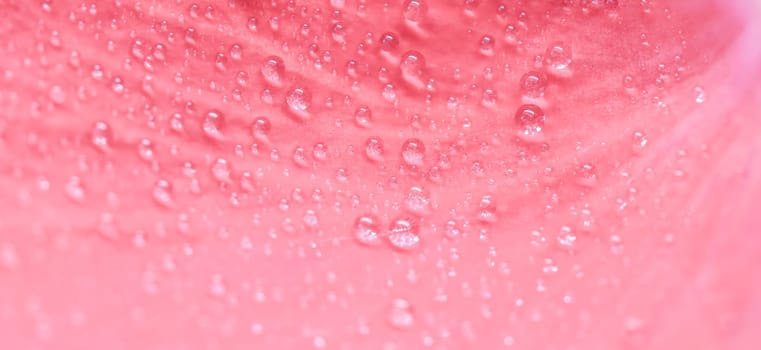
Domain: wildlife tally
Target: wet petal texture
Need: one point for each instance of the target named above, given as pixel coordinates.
(364, 174)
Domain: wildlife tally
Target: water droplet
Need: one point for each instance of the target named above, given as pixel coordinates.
(412, 67)
(418, 201)
(700, 95)
(260, 129)
(413, 152)
(486, 45)
(299, 100)
(338, 32)
(300, 157)
(102, 136)
(363, 117)
(212, 125)
(74, 189)
(366, 230)
(273, 70)
(320, 151)
(487, 209)
(566, 238)
(414, 10)
(403, 233)
(558, 58)
(401, 315)
(374, 149)
(389, 43)
(530, 119)
(489, 98)
(587, 175)
(533, 84)
(146, 150)
(221, 170)
(310, 219)
(236, 52)
(162, 193)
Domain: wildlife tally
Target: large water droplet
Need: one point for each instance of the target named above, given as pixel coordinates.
(401, 315)
(413, 152)
(374, 149)
(412, 67)
(273, 70)
(404, 233)
(212, 125)
(366, 230)
(299, 100)
(530, 120)
(389, 44)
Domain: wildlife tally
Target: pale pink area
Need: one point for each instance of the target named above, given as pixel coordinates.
(630, 222)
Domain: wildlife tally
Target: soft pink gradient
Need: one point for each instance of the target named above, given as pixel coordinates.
(132, 218)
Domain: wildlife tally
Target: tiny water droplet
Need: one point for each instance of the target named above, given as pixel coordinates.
(414, 10)
(74, 189)
(260, 129)
(486, 45)
(300, 157)
(587, 175)
(413, 152)
(412, 67)
(221, 170)
(363, 117)
(374, 149)
(533, 83)
(102, 136)
(700, 95)
(389, 43)
(162, 193)
(530, 120)
(403, 234)
(299, 100)
(366, 230)
(273, 70)
(212, 125)
(401, 315)
(418, 201)
(487, 209)
(558, 58)
(57, 95)
(146, 150)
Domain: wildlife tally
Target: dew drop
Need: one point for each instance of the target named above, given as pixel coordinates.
(401, 315)
(413, 152)
(530, 120)
(586, 175)
(300, 157)
(418, 201)
(403, 234)
(414, 10)
(389, 43)
(374, 149)
(212, 125)
(102, 136)
(146, 150)
(486, 45)
(273, 70)
(260, 129)
(487, 209)
(558, 59)
(236, 52)
(162, 193)
(338, 32)
(74, 189)
(363, 117)
(533, 83)
(221, 170)
(299, 100)
(366, 230)
(412, 67)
